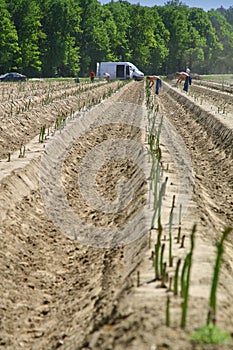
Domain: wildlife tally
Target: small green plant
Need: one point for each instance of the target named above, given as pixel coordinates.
(168, 311)
(176, 277)
(148, 93)
(149, 240)
(170, 230)
(157, 251)
(162, 259)
(182, 241)
(156, 179)
(210, 334)
(164, 276)
(157, 202)
(42, 134)
(183, 276)
(179, 227)
(213, 293)
(138, 278)
(186, 280)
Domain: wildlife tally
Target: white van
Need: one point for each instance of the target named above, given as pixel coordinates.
(119, 70)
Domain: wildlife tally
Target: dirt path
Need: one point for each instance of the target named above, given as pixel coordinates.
(57, 293)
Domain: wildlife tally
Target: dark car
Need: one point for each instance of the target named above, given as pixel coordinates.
(13, 77)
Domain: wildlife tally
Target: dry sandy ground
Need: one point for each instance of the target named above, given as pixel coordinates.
(58, 293)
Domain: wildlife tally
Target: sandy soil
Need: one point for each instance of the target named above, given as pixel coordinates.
(29, 107)
(59, 293)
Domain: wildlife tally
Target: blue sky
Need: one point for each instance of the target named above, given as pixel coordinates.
(205, 4)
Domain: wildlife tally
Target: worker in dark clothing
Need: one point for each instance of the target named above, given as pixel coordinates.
(158, 86)
(187, 82)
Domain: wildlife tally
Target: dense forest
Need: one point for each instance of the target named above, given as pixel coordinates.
(46, 38)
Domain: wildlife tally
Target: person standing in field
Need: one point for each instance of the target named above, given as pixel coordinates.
(92, 76)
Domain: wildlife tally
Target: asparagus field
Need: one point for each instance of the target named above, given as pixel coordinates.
(116, 213)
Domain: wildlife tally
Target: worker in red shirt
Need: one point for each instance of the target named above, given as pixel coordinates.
(92, 76)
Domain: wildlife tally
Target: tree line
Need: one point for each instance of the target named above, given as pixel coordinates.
(45, 38)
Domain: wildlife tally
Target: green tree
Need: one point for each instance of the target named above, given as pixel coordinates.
(67, 37)
(160, 51)
(26, 17)
(174, 16)
(227, 13)
(60, 48)
(111, 29)
(95, 42)
(193, 40)
(10, 58)
(71, 62)
(194, 51)
(120, 41)
(142, 35)
(208, 39)
(223, 60)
